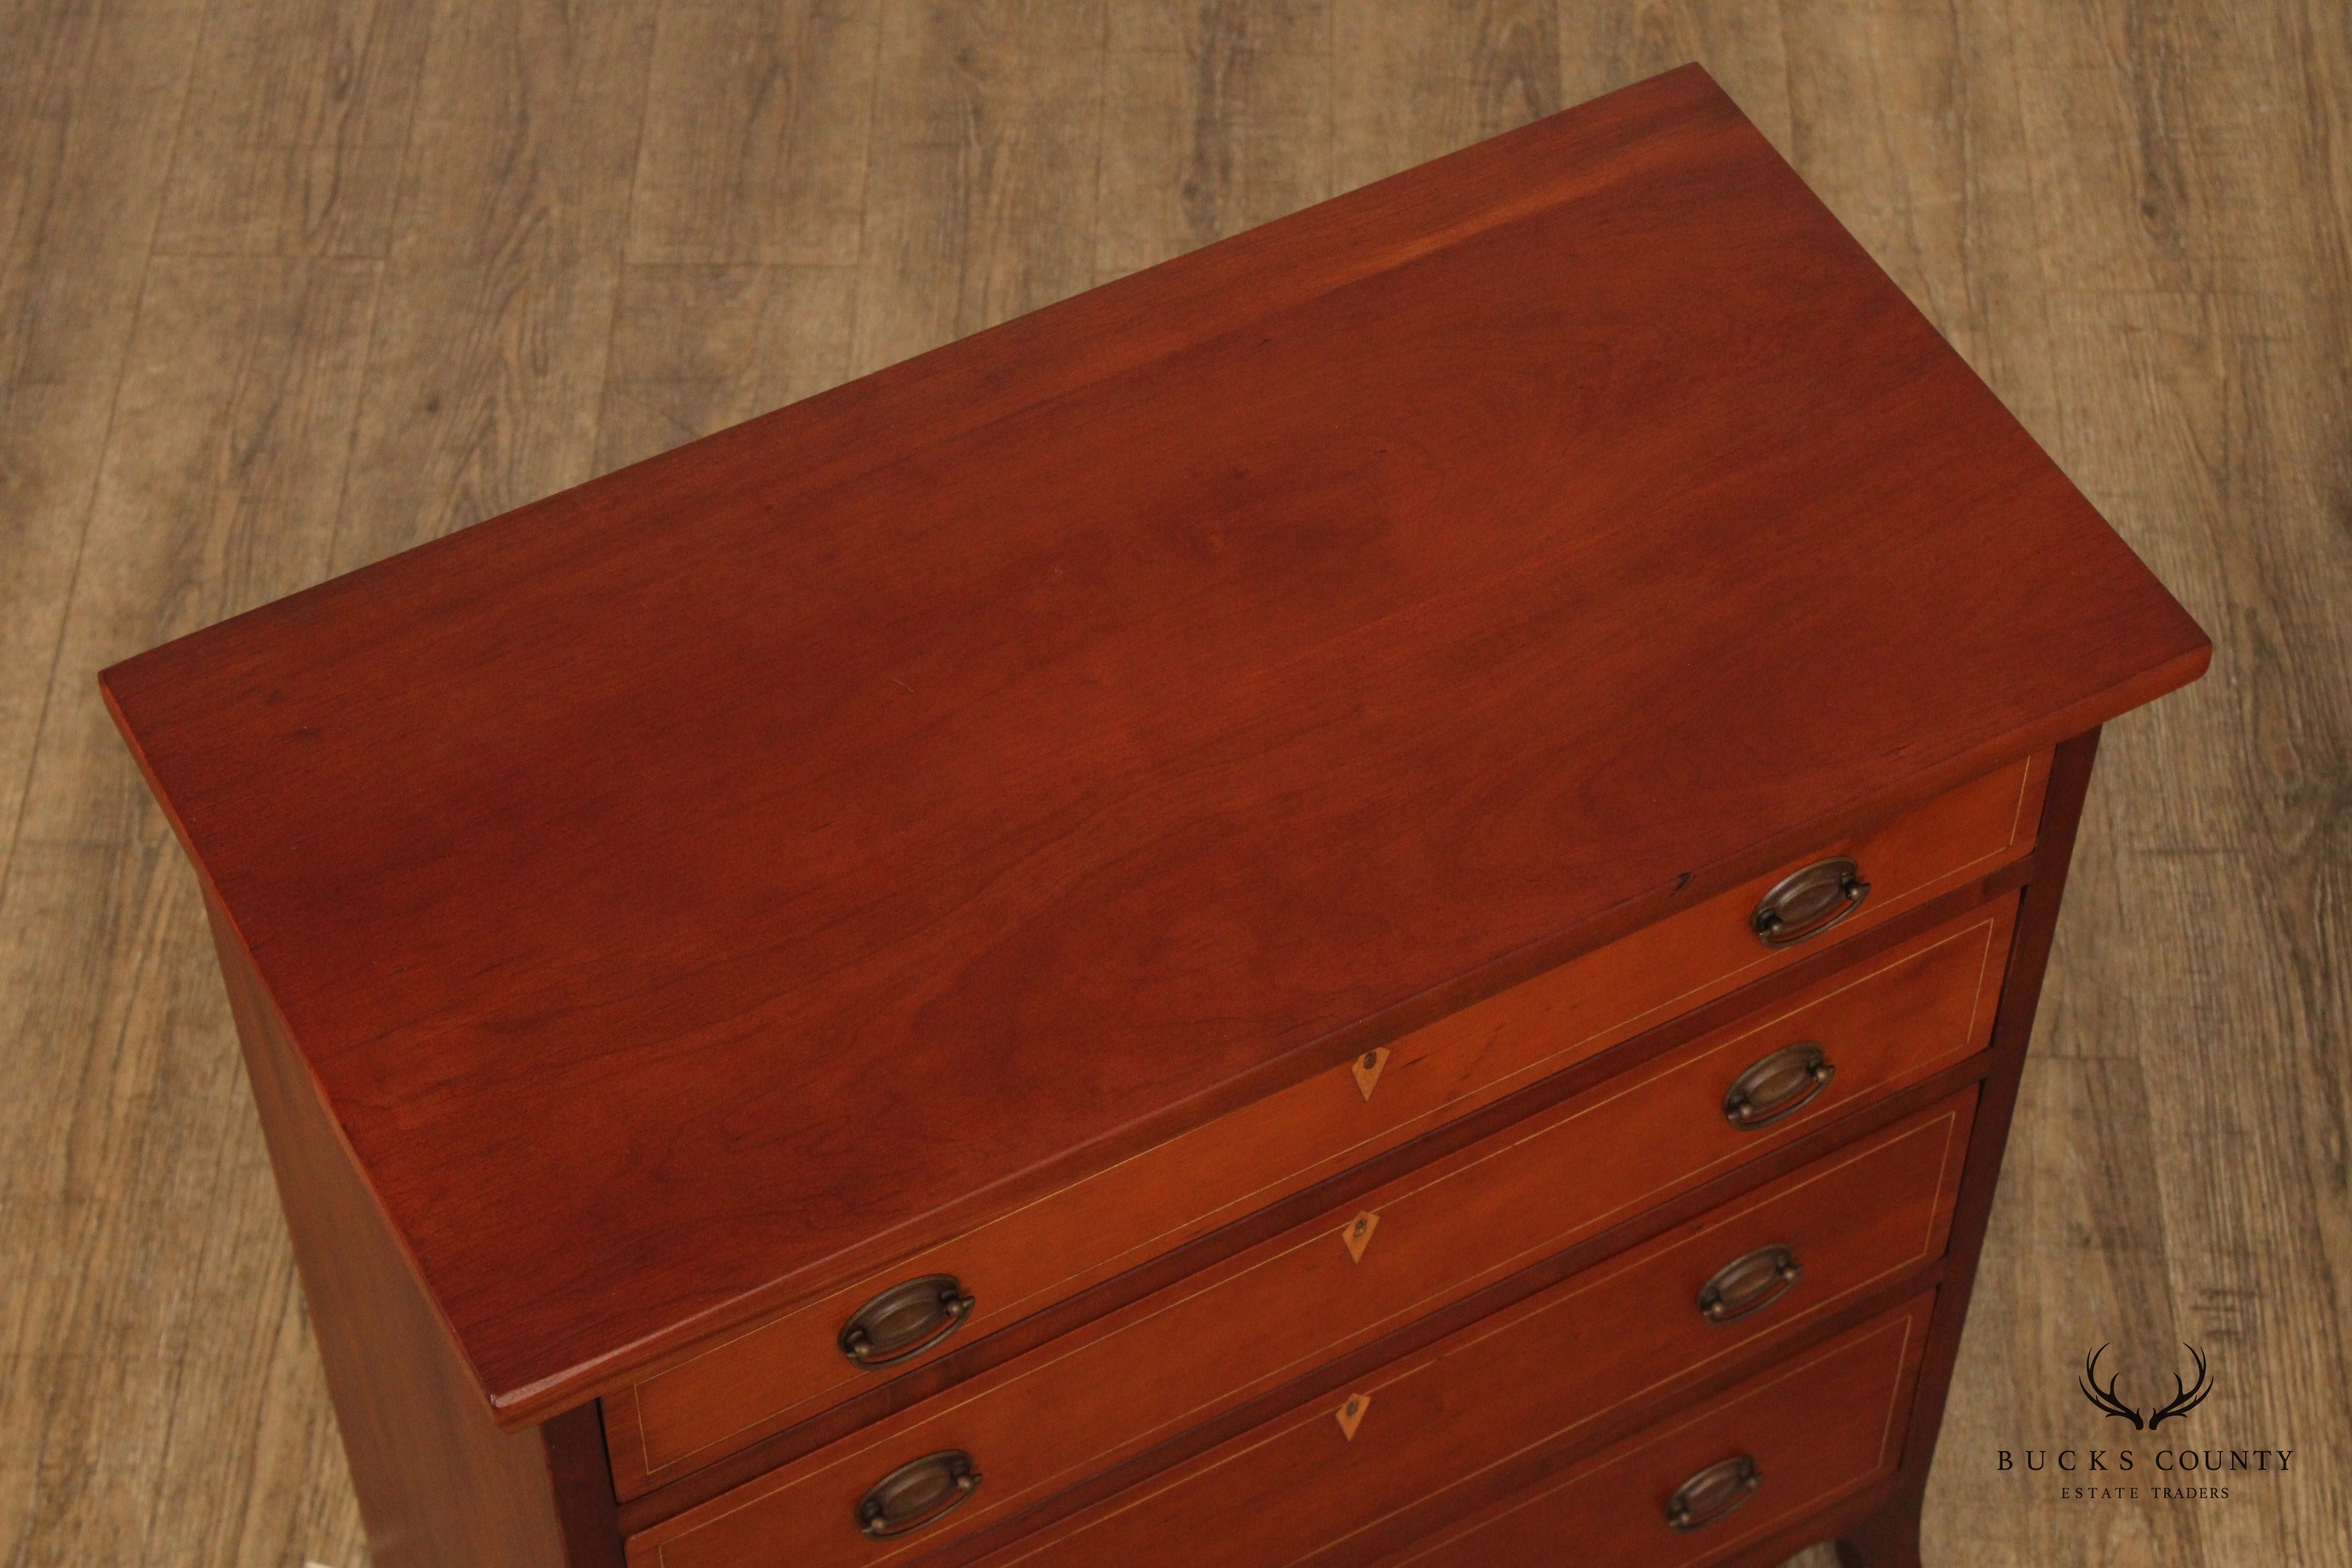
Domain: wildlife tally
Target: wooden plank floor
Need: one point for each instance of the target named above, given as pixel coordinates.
(286, 284)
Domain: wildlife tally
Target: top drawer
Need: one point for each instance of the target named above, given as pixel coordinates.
(706, 1404)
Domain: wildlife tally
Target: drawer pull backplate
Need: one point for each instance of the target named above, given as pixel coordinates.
(1806, 904)
(920, 1492)
(1713, 1493)
(1777, 1085)
(905, 1320)
(1749, 1284)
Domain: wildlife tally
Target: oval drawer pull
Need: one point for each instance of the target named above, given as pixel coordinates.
(1748, 1284)
(1806, 904)
(1775, 1086)
(1714, 1493)
(905, 1320)
(918, 1492)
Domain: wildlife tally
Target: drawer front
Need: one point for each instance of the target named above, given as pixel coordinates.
(1244, 1326)
(1820, 1430)
(713, 1402)
(1438, 1433)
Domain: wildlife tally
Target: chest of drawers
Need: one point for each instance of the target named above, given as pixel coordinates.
(1374, 897)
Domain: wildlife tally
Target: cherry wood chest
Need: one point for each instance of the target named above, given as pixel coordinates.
(1371, 898)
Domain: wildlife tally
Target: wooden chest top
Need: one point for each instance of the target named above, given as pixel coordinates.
(766, 858)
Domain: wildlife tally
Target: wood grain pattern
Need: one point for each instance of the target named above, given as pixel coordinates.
(312, 112)
(1428, 77)
(1093, 1398)
(2081, 1186)
(996, 106)
(140, 1225)
(1097, 762)
(90, 102)
(2033, 176)
(695, 348)
(1215, 120)
(754, 143)
(1892, 1536)
(723, 1397)
(1342, 1191)
(1823, 1427)
(1457, 1423)
(438, 1482)
(487, 356)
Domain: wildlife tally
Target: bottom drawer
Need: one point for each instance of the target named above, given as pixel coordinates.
(1702, 1485)
(1429, 1438)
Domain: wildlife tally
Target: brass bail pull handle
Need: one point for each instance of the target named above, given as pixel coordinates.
(905, 1320)
(918, 1492)
(1714, 1493)
(1750, 1284)
(1806, 904)
(1778, 1084)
